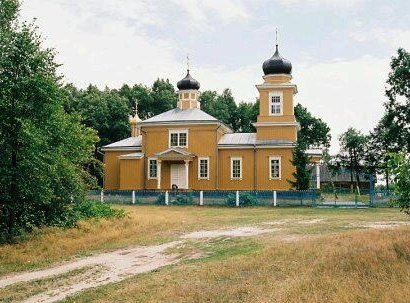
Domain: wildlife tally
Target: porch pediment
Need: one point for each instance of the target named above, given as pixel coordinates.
(174, 153)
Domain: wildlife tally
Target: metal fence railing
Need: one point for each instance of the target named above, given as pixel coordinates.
(318, 198)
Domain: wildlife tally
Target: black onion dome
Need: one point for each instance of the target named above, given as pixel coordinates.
(277, 65)
(188, 83)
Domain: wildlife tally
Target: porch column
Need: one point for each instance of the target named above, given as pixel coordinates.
(317, 175)
(159, 174)
(187, 174)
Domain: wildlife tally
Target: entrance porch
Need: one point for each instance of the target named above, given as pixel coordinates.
(178, 161)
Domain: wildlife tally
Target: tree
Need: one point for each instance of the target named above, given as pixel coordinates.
(352, 152)
(392, 132)
(208, 99)
(313, 133)
(140, 94)
(224, 108)
(43, 149)
(247, 114)
(399, 165)
(164, 97)
(301, 161)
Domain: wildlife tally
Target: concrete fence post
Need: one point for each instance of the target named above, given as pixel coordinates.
(237, 198)
(166, 198)
(274, 198)
(201, 198)
(102, 196)
(133, 197)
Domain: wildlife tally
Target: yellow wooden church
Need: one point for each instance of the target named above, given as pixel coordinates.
(186, 148)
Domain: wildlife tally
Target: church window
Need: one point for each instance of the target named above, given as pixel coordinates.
(203, 168)
(276, 104)
(275, 168)
(236, 168)
(152, 169)
(178, 138)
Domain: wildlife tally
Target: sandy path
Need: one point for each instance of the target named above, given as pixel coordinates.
(237, 232)
(119, 264)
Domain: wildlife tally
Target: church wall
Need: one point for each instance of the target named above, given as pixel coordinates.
(131, 173)
(263, 167)
(201, 142)
(225, 182)
(112, 169)
(277, 133)
(287, 104)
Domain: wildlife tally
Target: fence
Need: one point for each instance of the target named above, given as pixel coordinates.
(325, 198)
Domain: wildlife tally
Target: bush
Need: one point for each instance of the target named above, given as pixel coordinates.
(181, 199)
(86, 210)
(160, 199)
(245, 199)
(90, 209)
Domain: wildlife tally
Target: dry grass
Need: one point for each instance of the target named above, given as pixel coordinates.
(146, 225)
(355, 266)
(332, 260)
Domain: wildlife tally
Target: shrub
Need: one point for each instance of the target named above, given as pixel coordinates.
(86, 210)
(182, 199)
(90, 209)
(245, 199)
(160, 199)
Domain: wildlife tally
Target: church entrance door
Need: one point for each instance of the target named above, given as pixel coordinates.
(178, 176)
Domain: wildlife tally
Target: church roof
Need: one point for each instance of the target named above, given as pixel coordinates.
(129, 143)
(138, 155)
(188, 83)
(243, 139)
(238, 138)
(277, 64)
(181, 115)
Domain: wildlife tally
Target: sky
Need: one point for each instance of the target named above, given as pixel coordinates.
(340, 50)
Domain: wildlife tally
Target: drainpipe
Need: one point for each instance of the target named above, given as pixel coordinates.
(145, 157)
(216, 157)
(255, 175)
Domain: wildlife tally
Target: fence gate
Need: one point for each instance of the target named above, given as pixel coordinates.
(338, 196)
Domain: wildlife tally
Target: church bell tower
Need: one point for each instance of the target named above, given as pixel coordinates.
(276, 119)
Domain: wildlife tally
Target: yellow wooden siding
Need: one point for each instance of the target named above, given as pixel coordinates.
(287, 104)
(201, 143)
(276, 79)
(277, 133)
(263, 168)
(315, 159)
(225, 182)
(112, 169)
(131, 173)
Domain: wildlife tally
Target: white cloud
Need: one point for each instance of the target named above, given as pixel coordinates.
(392, 38)
(200, 13)
(325, 3)
(344, 93)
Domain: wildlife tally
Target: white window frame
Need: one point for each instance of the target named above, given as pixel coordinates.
(199, 168)
(149, 167)
(270, 167)
(240, 168)
(178, 131)
(276, 94)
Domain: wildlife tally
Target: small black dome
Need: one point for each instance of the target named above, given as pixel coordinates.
(277, 65)
(188, 83)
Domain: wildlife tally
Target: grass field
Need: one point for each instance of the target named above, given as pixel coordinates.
(310, 255)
